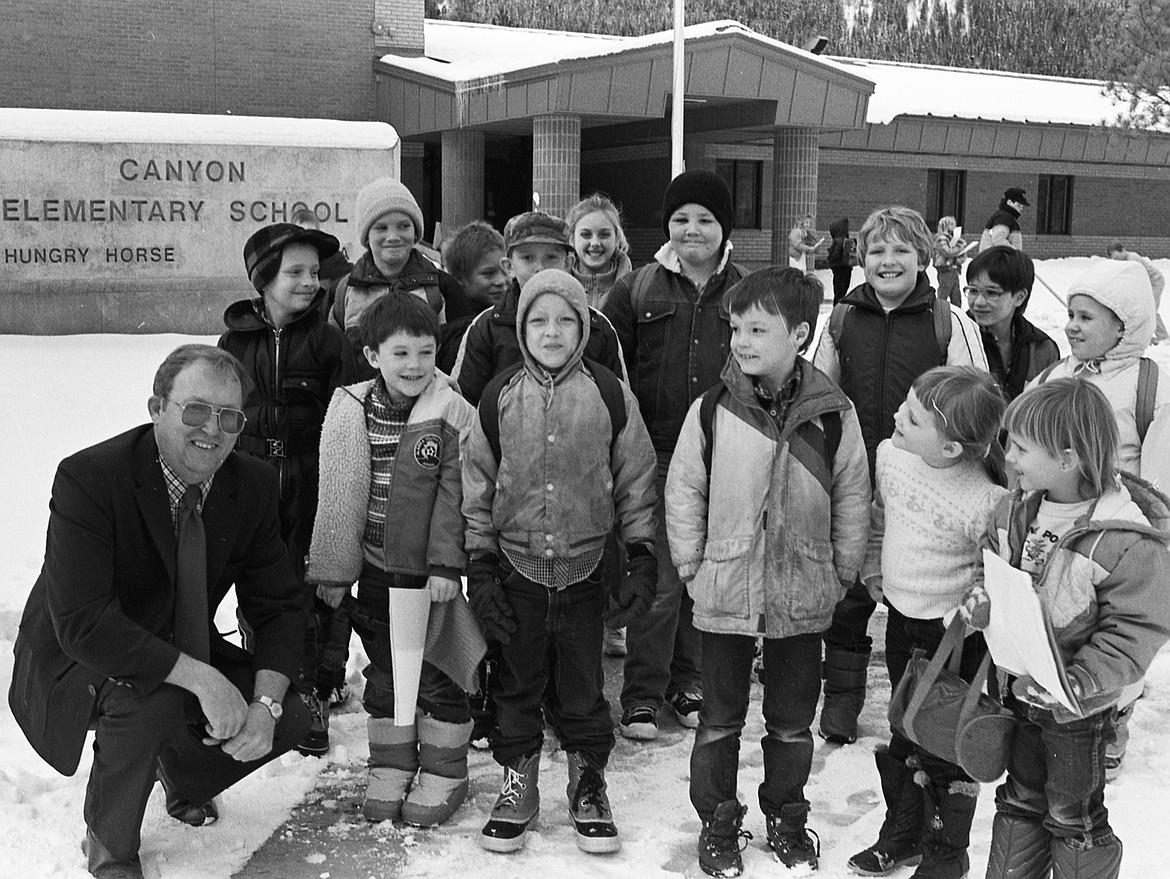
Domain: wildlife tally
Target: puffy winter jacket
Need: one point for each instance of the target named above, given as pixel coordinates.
(558, 486)
(294, 370)
(774, 539)
(1033, 351)
(675, 338)
(1103, 586)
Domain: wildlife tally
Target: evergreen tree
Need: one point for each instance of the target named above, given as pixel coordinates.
(1135, 56)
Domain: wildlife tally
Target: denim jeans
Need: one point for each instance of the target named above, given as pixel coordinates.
(792, 686)
(663, 648)
(569, 622)
(903, 636)
(1056, 774)
(369, 614)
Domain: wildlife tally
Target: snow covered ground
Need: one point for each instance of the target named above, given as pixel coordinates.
(60, 394)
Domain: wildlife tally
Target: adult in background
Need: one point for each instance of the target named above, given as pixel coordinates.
(147, 533)
(1003, 227)
(999, 284)
(1157, 283)
(801, 242)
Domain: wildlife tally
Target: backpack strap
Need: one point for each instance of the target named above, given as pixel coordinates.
(640, 284)
(831, 424)
(608, 385)
(1147, 392)
(707, 404)
(1043, 377)
(837, 322)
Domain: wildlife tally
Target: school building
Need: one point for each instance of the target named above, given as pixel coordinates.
(492, 119)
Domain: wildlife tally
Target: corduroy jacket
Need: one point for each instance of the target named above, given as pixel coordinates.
(771, 543)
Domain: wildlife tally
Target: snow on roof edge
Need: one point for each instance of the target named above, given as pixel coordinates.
(115, 126)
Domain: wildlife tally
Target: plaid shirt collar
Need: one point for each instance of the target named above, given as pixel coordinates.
(778, 404)
(176, 488)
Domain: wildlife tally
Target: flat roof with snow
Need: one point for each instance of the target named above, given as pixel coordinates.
(102, 126)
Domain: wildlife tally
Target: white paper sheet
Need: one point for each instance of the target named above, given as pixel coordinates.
(1019, 635)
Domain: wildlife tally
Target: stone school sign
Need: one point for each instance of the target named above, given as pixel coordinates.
(136, 222)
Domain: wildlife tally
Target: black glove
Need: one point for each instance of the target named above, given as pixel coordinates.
(637, 589)
(487, 598)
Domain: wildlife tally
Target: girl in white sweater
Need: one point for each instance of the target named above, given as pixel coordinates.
(936, 482)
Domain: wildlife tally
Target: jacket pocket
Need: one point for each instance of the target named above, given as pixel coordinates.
(814, 587)
(721, 587)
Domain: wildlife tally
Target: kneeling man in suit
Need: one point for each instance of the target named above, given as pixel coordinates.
(147, 533)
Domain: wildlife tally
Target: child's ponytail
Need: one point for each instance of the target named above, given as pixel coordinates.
(970, 406)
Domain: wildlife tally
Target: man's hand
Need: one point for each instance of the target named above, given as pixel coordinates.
(332, 595)
(222, 704)
(637, 589)
(442, 588)
(254, 740)
(487, 599)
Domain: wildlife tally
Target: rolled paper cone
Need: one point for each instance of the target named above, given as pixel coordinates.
(409, 611)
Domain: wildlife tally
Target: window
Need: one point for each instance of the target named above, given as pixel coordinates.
(1054, 205)
(945, 191)
(744, 179)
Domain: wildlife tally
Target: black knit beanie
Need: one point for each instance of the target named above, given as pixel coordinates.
(702, 188)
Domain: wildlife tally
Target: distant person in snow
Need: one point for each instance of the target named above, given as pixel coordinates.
(1003, 227)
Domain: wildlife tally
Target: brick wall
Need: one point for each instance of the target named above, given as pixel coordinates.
(298, 58)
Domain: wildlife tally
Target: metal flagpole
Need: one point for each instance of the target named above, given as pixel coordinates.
(676, 114)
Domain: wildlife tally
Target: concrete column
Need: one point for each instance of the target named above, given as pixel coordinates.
(462, 179)
(794, 185)
(556, 162)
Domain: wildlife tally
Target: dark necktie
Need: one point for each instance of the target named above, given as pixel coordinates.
(191, 619)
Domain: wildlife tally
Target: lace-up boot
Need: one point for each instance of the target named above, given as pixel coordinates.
(722, 839)
(589, 805)
(516, 807)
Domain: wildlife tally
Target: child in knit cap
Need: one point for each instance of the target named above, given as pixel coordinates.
(670, 320)
(548, 470)
(390, 226)
(294, 359)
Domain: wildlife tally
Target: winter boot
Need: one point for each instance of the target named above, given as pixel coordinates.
(721, 840)
(442, 779)
(900, 837)
(845, 673)
(1098, 862)
(392, 765)
(589, 806)
(1020, 849)
(949, 811)
(789, 839)
(516, 807)
(316, 741)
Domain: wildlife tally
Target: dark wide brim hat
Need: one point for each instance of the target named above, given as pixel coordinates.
(263, 250)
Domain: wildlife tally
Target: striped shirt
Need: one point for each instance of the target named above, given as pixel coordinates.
(385, 421)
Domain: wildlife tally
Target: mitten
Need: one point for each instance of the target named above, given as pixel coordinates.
(487, 599)
(637, 589)
(976, 608)
(1027, 690)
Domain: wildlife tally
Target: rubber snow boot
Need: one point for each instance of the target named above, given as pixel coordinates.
(589, 805)
(949, 811)
(899, 840)
(1098, 862)
(845, 677)
(392, 765)
(516, 808)
(442, 781)
(1020, 849)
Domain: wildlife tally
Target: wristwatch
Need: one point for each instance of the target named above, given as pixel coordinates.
(271, 704)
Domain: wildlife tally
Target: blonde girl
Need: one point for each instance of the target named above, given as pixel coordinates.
(936, 481)
(1094, 542)
(599, 246)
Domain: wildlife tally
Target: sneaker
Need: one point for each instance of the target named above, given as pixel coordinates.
(316, 743)
(686, 708)
(721, 840)
(614, 643)
(791, 844)
(639, 723)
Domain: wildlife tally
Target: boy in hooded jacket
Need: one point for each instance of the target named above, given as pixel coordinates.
(767, 524)
(295, 361)
(538, 507)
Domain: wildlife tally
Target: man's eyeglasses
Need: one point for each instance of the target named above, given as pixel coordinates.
(197, 414)
(991, 294)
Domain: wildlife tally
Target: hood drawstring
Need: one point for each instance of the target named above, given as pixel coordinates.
(1093, 367)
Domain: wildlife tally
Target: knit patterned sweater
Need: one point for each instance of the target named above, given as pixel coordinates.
(925, 528)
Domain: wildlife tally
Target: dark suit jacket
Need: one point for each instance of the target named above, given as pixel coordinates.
(103, 605)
